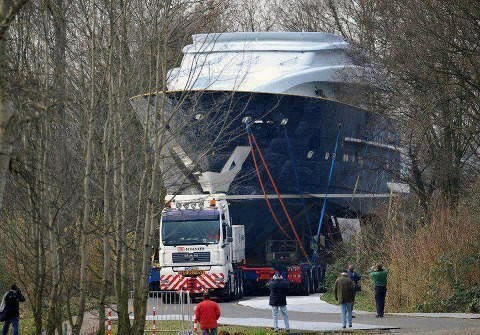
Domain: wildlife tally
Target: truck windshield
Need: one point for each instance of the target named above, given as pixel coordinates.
(190, 232)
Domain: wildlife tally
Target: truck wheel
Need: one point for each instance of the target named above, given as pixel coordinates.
(235, 286)
(312, 285)
(226, 292)
(240, 284)
(316, 280)
(306, 285)
(154, 286)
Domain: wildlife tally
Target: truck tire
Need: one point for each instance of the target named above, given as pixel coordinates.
(312, 285)
(316, 280)
(233, 288)
(306, 284)
(227, 292)
(236, 286)
(240, 286)
(154, 286)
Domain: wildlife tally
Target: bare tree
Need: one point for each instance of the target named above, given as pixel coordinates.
(8, 10)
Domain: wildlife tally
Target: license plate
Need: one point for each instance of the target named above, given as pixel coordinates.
(191, 272)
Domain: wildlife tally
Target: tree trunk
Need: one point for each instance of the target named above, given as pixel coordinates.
(155, 194)
(86, 194)
(106, 228)
(7, 116)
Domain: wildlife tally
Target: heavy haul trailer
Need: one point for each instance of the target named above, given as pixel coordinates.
(211, 243)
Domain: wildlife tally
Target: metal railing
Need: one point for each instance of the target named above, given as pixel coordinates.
(168, 312)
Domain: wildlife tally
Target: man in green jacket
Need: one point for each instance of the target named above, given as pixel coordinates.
(344, 296)
(379, 278)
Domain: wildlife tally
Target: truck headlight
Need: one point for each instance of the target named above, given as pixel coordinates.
(164, 281)
(219, 280)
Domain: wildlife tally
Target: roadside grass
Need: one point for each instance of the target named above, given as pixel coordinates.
(244, 330)
(363, 301)
(26, 324)
(173, 327)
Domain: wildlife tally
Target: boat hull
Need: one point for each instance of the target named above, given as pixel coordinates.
(209, 126)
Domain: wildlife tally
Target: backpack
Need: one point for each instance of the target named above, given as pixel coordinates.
(3, 313)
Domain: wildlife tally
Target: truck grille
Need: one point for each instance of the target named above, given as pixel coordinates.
(190, 257)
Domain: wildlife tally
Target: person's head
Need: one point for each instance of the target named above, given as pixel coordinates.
(277, 276)
(344, 273)
(14, 287)
(351, 267)
(379, 267)
(206, 296)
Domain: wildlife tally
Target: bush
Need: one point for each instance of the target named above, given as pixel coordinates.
(432, 259)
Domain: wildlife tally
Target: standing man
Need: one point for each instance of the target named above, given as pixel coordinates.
(207, 313)
(344, 296)
(11, 309)
(379, 278)
(355, 277)
(278, 299)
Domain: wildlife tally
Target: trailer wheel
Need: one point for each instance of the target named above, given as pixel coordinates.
(316, 280)
(233, 287)
(306, 285)
(240, 286)
(236, 286)
(312, 285)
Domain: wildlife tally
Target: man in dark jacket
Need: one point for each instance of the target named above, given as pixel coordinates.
(11, 309)
(207, 313)
(355, 277)
(344, 296)
(278, 299)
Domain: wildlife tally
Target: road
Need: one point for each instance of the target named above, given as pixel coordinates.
(312, 314)
(396, 323)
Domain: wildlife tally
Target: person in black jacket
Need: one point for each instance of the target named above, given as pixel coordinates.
(11, 309)
(278, 299)
(355, 277)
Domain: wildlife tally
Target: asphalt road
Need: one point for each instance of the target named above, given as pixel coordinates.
(401, 324)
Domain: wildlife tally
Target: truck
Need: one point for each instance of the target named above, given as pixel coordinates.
(200, 249)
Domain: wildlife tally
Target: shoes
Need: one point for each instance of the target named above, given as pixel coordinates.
(379, 316)
(353, 316)
(344, 327)
(349, 326)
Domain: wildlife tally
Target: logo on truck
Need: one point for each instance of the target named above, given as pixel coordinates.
(190, 248)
